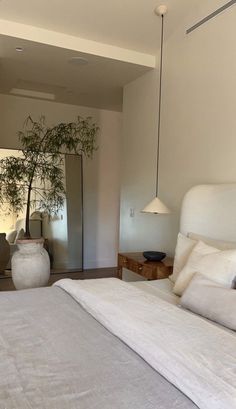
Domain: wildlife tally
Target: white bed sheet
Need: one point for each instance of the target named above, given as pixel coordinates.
(188, 351)
(160, 288)
(164, 289)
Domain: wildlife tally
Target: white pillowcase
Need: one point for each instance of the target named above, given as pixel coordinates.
(185, 245)
(219, 266)
(209, 299)
(183, 249)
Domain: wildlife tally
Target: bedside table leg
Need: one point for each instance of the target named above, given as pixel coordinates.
(119, 272)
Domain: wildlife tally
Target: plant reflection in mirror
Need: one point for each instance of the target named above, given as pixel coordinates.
(36, 178)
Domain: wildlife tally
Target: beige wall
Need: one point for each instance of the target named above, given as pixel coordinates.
(101, 174)
(143, 231)
(102, 195)
(198, 142)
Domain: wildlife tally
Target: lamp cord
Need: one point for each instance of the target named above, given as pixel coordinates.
(159, 109)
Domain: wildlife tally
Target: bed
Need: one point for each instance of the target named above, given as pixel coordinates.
(107, 344)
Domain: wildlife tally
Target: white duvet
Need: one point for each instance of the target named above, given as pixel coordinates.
(194, 355)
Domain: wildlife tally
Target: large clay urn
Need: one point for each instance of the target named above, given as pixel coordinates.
(30, 264)
(4, 252)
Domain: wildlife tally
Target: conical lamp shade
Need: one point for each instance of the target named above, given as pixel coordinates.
(156, 206)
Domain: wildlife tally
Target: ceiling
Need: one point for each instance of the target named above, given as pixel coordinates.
(124, 23)
(44, 68)
(128, 24)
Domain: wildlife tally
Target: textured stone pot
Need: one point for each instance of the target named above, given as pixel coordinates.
(30, 264)
(4, 252)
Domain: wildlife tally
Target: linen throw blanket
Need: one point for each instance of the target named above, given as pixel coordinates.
(194, 355)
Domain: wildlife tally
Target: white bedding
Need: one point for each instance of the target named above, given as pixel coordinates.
(196, 356)
(54, 355)
(160, 288)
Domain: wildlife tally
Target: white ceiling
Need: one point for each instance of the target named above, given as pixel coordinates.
(129, 24)
(47, 69)
(124, 23)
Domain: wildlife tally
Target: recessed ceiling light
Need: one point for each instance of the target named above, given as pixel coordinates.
(78, 61)
(19, 49)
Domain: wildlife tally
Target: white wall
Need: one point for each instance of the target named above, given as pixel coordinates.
(198, 140)
(102, 195)
(101, 174)
(142, 231)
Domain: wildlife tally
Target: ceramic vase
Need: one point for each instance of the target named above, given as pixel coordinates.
(30, 264)
(4, 252)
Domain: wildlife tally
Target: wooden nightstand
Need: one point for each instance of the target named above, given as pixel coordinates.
(151, 270)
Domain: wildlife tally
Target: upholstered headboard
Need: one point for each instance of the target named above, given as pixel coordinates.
(210, 210)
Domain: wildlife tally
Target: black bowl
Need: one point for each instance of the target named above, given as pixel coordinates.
(154, 255)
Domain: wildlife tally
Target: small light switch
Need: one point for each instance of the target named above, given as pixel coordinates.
(131, 212)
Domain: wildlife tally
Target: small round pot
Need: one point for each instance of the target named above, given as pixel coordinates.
(4, 252)
(30, 264)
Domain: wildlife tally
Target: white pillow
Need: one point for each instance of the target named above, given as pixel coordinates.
(185, 245)
(219, 266)
(183, 249)
(207, 298)
(219, 244)
(11, 236)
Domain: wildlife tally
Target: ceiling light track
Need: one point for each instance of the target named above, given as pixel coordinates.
(210, 16)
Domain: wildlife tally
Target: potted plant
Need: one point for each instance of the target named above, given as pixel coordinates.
(35, 178)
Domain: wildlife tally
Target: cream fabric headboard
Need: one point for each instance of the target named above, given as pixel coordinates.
(210, 210)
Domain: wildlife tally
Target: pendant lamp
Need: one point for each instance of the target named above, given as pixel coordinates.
(156, 206)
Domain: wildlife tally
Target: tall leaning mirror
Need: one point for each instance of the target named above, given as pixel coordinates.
(62, 232)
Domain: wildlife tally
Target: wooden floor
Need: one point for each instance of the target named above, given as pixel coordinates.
(6, 283)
